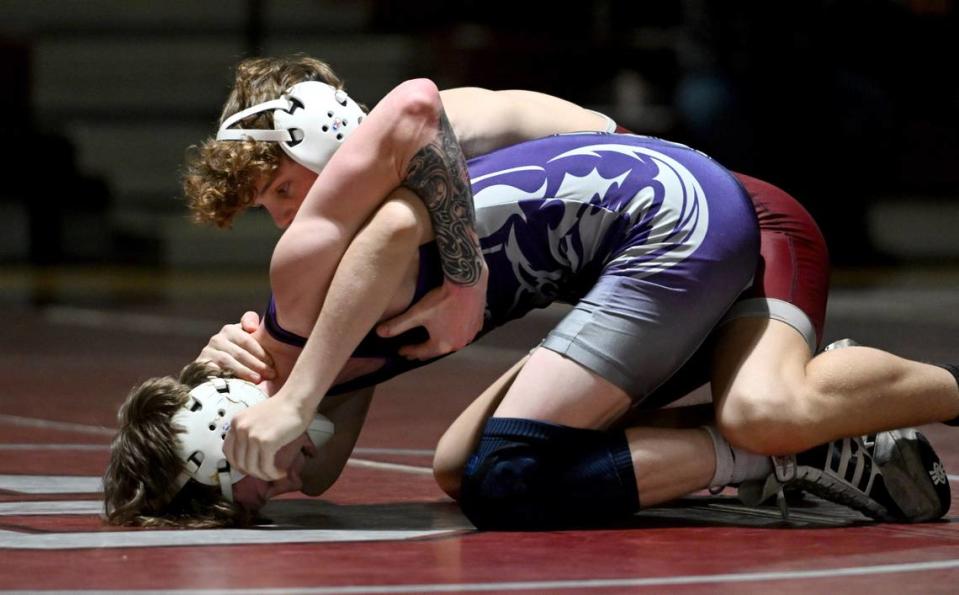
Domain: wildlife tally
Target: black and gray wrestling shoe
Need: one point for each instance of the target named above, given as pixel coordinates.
(890, 476)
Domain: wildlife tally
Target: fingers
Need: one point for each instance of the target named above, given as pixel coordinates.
(257, 458)
(256, 436)
(247, 454)
(234, 449)
(237, 337)
(266, 465)
(250, 321)
(250, 455)
(229, 450)
(227, 362)
(235, 350)
(411, 318)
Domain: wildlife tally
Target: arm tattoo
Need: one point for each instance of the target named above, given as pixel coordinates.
(437, 173)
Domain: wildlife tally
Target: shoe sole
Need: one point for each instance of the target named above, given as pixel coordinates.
(908, 464)
(829, 486)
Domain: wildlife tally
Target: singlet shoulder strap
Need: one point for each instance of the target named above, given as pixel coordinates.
(610, 123)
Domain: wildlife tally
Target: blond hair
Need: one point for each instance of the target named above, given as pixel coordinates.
(139, 485)
(221, 176)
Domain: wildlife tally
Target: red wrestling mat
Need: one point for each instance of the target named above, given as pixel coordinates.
(385, 527)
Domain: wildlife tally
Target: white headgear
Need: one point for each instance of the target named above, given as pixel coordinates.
(310, 121)
(205, 421)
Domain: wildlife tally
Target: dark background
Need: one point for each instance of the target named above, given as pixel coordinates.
(853, 106)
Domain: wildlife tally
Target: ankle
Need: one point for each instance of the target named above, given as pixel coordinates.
(735, 465)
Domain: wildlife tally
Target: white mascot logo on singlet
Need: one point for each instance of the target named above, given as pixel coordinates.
(676, 229)
(680, 224)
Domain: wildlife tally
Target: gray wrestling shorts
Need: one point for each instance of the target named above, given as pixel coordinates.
(655, 304)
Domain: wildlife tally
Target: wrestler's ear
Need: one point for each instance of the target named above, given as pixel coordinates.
(250, 321)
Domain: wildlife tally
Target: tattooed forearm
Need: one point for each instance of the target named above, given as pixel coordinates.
(437, 173)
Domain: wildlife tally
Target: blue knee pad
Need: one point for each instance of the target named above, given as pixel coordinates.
(535, 475)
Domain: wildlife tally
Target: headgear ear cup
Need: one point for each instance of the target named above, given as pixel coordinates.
(311, 120)
(205, 421)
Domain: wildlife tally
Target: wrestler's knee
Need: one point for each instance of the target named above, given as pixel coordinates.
(500, 489)
(527, 474)
(773, 418)
(448, 475)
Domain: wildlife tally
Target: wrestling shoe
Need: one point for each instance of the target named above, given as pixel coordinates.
(891, 476)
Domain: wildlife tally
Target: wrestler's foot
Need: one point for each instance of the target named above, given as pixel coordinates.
(891, 476)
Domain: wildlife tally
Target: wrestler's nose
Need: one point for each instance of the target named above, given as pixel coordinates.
(280, 218)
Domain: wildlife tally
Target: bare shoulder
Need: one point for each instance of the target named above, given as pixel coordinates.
(486, 120)
(482, 120)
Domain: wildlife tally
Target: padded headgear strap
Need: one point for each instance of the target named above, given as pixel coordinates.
(228, 133)
(310, 121)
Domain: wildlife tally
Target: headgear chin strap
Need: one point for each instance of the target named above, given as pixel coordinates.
(310, 121)
(205, 421)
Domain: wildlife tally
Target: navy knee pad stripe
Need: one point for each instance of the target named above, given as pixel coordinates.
(513, 427)
(529, 474)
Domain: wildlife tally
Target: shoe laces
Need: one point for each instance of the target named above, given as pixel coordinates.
(839, 477)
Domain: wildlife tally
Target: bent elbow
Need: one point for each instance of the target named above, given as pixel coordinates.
(419, 98)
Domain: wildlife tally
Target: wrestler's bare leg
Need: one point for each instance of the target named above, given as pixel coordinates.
(460, 440)
(773, 397)
(668, 463)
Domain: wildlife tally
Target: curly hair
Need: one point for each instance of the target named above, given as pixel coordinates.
(220, 177)
(139, 485)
